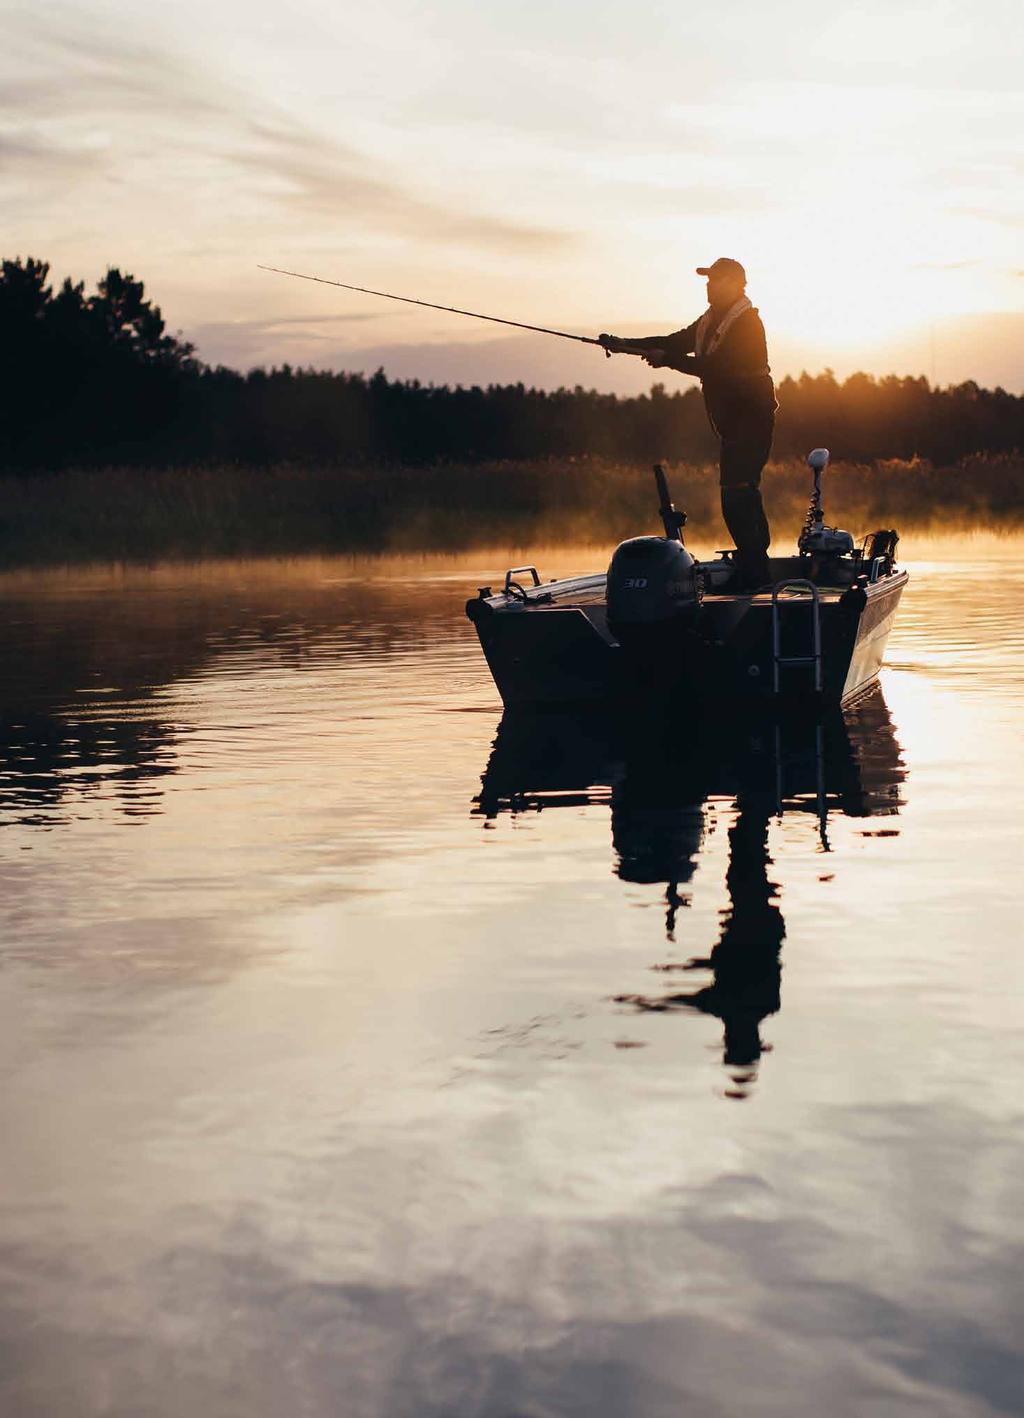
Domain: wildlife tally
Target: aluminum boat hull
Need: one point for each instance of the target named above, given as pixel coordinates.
(553, 645)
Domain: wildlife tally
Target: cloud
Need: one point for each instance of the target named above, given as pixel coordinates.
(706, 199)
(22, 150)
(321, 175)
(241, 344)
(82, 98)
(305, 321)
(738, 1282)
(990, 214)
(65, 65)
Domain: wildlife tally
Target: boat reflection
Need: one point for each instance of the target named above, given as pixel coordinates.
(659, 777)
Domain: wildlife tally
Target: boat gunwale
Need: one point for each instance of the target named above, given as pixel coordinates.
(546, 598)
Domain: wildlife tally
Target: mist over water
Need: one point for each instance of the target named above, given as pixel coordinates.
(366, 1053)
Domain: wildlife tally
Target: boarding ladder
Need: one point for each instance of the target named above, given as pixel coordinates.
(812, 661)
(806, 594)
(820, 794)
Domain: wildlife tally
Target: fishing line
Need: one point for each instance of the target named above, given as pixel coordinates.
(451, 309)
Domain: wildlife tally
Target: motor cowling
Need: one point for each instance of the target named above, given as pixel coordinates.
(652, 581)
(818, 540)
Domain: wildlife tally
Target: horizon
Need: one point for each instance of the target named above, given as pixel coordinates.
(960, 352)
(952, 355)
(862, 167)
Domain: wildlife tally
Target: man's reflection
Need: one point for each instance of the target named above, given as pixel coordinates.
(745, 961)
(663, 792)
(660, 777)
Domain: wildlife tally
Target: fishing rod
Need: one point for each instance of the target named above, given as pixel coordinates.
(451, 309)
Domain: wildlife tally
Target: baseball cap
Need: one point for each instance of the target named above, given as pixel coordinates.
(724, 266)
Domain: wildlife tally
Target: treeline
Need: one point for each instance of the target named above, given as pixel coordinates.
(95, 379)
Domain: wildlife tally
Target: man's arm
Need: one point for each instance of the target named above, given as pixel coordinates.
(667, 348)
(683, 360)
(743, 353)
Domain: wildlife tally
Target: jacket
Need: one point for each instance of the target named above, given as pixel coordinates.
(735, 377)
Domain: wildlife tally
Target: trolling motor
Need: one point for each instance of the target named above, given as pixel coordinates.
(671, 520)
(816, 539)
(654, 582)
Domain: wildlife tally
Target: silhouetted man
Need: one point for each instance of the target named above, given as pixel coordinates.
(727, 351)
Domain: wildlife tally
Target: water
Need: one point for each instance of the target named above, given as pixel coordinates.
(335, 1082)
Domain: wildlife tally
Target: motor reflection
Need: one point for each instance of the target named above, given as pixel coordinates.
(666, 781)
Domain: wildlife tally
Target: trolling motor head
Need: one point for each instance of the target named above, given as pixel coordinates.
(816, 538)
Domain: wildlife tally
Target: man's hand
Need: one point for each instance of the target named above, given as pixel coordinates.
(615, 344)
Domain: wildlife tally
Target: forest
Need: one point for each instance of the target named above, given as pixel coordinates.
(91, 380)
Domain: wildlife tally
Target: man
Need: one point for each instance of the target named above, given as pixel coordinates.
(727, 351)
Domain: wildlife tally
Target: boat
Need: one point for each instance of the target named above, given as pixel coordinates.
(659, 621)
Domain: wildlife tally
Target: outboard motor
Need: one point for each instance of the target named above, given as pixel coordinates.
(655, 586)
(651, 581)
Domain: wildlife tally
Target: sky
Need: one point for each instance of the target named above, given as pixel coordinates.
(566, 164)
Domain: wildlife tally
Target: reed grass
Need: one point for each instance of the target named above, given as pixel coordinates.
(142, 515)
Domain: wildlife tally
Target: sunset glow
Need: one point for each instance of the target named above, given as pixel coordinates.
(564, 165)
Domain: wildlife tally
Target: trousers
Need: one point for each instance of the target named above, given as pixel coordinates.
(744, 453)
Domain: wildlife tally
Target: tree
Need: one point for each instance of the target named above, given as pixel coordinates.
(83, 377)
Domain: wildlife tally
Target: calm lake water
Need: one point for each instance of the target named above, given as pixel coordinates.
(652, 1075)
